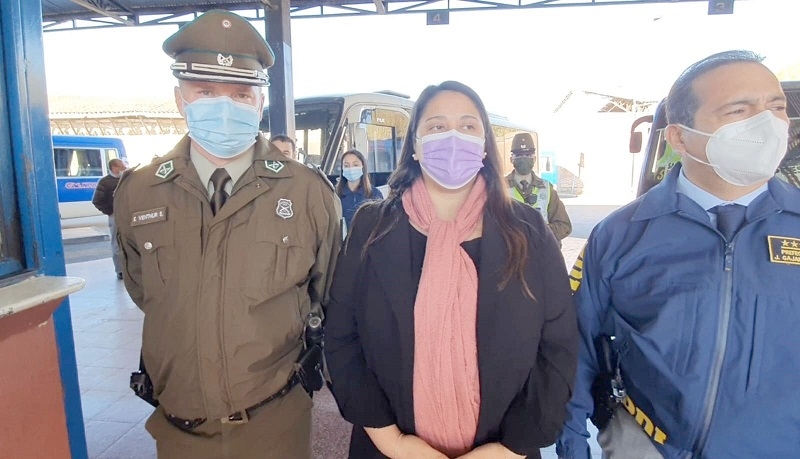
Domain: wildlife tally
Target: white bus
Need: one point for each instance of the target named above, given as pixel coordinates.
(375, 124)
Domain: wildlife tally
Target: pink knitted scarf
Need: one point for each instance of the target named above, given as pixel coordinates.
(446, 384)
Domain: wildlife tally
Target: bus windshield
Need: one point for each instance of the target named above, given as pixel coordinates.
(315, 124)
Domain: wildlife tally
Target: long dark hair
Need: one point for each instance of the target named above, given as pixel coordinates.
(365, 184)
(498, 203)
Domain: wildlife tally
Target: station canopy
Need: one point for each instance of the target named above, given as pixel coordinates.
(72, 14)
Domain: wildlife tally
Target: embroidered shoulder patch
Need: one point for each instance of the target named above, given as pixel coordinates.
(165, 169)
(576, 275)
(274, 166)
(783, 249)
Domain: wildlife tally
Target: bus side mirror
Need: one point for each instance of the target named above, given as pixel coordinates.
(635, 145)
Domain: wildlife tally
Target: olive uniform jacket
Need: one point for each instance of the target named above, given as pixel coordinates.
(225, 296)
(527, 349)
(557, 217)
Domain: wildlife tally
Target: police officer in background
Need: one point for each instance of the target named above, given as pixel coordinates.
(526, 187)
(229, 247)
(696, 280)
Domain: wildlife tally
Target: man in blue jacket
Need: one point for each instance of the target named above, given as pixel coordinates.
(697, 280)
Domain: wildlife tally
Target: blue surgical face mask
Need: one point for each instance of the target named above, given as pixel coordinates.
(352, 174)
(223, 128)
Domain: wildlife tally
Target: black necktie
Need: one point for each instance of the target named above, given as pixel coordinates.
(729, 219)
(218, 179)
(524, 185)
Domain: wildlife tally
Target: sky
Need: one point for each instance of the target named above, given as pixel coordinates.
(521, 62)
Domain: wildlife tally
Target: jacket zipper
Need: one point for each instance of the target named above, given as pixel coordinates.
(225, 374)
(722, 342)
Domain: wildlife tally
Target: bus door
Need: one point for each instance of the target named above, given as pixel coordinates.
(789, 169)
(379, 134)
(659, 157)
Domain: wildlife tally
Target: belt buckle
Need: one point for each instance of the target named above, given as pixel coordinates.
(239, 417)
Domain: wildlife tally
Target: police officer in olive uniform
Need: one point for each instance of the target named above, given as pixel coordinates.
(229, 246)
(526, 187)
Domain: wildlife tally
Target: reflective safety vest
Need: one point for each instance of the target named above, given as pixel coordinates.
(542, 198)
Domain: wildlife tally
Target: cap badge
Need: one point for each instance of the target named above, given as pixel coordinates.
(274, 166)
(226, 61)
(165, 169)
(284, 209)
(226, 23)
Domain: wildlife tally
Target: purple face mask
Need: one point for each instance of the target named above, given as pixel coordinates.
(451, 158)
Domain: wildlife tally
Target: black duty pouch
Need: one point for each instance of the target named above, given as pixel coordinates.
(141, 384)
(309, 369)
(309, 366)
(608, 390)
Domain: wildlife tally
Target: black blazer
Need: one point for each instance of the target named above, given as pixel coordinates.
(527, 350)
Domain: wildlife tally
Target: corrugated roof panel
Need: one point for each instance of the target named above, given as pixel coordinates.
(60, 10)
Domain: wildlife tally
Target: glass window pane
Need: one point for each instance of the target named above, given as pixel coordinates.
(78, 163)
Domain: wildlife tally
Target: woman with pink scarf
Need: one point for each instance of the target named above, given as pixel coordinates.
(450, 330)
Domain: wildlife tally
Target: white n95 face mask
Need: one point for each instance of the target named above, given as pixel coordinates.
(746, 152)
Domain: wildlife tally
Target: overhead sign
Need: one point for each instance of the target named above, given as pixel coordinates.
(720, 6)
(438, 17)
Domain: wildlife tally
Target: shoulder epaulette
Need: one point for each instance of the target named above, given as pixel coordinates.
(323, 177)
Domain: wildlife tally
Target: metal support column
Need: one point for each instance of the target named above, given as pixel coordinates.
(281, 93)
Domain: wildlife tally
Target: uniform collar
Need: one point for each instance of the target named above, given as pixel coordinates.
(235, 168)
(267, 162)
(707, 200)
(535, 180)
(666, 198)
(347, 191)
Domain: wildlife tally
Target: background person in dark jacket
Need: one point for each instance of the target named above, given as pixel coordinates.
(451, 331)
(354, 186)
(103, 199)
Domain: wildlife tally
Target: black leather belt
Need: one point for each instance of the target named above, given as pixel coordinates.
(239, 417)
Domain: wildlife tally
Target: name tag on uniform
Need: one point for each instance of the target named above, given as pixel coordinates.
(146, 217)
(784, 249)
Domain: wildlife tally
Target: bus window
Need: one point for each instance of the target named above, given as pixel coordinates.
(78, 162)
(111, 153)
(398, 121)
(376, 142)
(311, 143)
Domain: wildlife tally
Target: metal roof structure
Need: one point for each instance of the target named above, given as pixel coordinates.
(74, 14)
(594, 102)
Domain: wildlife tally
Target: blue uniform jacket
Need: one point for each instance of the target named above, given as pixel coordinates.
(352, 200)
(708, 330)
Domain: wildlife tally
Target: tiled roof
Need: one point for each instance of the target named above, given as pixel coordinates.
(107, 107)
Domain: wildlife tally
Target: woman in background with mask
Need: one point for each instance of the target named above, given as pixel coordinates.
(450, 329)
(354, 187)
